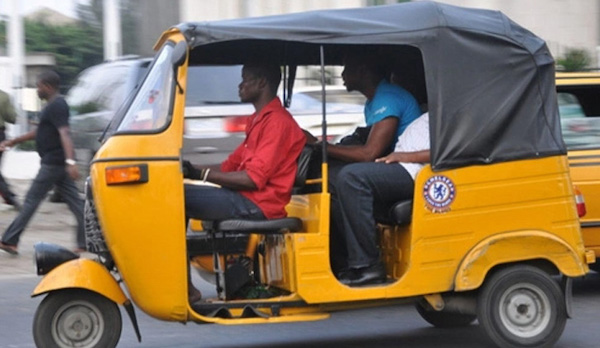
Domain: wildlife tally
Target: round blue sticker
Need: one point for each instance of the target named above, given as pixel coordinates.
(439, 193)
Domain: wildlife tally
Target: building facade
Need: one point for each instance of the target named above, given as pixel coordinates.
(564, 24)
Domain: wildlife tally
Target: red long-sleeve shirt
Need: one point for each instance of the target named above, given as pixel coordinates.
(269, 156)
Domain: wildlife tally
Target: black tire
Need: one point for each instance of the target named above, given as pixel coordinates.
(522, 306)
(444, 319)
(595, 266)
(76, 318)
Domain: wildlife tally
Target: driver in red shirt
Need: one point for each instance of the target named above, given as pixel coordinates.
(257, 178)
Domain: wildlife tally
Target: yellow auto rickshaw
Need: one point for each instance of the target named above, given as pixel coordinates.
(502, 245)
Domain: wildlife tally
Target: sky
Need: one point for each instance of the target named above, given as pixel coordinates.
(66, 7)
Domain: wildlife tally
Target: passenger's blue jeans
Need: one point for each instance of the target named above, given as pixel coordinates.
(361, 190)
(214, 203)
(47, 177)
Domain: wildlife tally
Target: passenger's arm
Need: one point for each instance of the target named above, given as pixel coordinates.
(380, 137)
(406, 157)
(310, 139)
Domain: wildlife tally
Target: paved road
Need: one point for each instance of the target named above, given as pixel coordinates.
(52, 223)
(394, 326)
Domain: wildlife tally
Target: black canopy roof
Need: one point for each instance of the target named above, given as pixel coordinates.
(489, 82)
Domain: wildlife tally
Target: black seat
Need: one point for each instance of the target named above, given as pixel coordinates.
(400, 214)
(220, 229)
(273, 226)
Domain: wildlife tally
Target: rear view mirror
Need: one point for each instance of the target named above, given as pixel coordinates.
(179, 53)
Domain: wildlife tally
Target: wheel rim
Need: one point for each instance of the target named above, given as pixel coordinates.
(525, 310)
(77, 324)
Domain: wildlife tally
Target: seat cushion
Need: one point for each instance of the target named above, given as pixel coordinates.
(272, 226)
(401, 212)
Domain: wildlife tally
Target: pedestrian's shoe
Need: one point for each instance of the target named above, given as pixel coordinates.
(11, 249)
(373, 274)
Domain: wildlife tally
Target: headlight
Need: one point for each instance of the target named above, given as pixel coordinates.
(48, 256)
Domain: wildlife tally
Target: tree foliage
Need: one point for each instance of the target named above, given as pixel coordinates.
(93, 14)
(75, 46)
(574, 60)
(80, 45)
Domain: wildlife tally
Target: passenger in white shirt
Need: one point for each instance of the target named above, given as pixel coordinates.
(369, 186)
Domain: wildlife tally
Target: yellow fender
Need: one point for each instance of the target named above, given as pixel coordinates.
(84, 274)
(517, 246)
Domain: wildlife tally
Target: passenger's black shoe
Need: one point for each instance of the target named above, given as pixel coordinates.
(361, 276)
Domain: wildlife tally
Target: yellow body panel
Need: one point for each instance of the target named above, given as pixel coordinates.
(522, 245)
(531, 198)
(577, 78)
(585, 167)
(144, 223)
(585, 174)
(84, 274)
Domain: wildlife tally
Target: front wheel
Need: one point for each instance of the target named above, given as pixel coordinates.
(76, 318)
(522, 306)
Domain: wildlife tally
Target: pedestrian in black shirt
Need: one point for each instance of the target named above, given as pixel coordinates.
(58, 167)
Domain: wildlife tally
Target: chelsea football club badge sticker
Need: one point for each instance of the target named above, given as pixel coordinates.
(439, 193)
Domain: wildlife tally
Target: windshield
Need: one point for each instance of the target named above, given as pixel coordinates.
(150, 108)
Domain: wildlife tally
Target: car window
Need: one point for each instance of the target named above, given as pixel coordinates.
(339, 102)
(149, 110)
(209, 85)
(569, 106)
(579, 130)
(99, 88)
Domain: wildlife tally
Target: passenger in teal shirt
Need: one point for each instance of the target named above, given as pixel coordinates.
(392, 101)
(388, 111)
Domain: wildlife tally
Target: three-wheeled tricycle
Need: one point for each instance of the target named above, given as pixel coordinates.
(492, 232)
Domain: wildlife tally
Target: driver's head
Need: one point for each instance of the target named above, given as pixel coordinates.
(259, 78)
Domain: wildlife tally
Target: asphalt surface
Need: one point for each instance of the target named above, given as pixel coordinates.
(52, 223)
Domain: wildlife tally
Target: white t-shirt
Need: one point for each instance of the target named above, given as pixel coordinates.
(414, 138)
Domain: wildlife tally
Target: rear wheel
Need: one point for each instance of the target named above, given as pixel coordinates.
(76, 318)
(443, 319)
(522, 306)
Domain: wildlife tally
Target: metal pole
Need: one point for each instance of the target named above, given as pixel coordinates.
(324, 106)
(16, 49)
(112, 30)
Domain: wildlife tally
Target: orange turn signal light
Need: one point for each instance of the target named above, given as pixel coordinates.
(128, 174)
